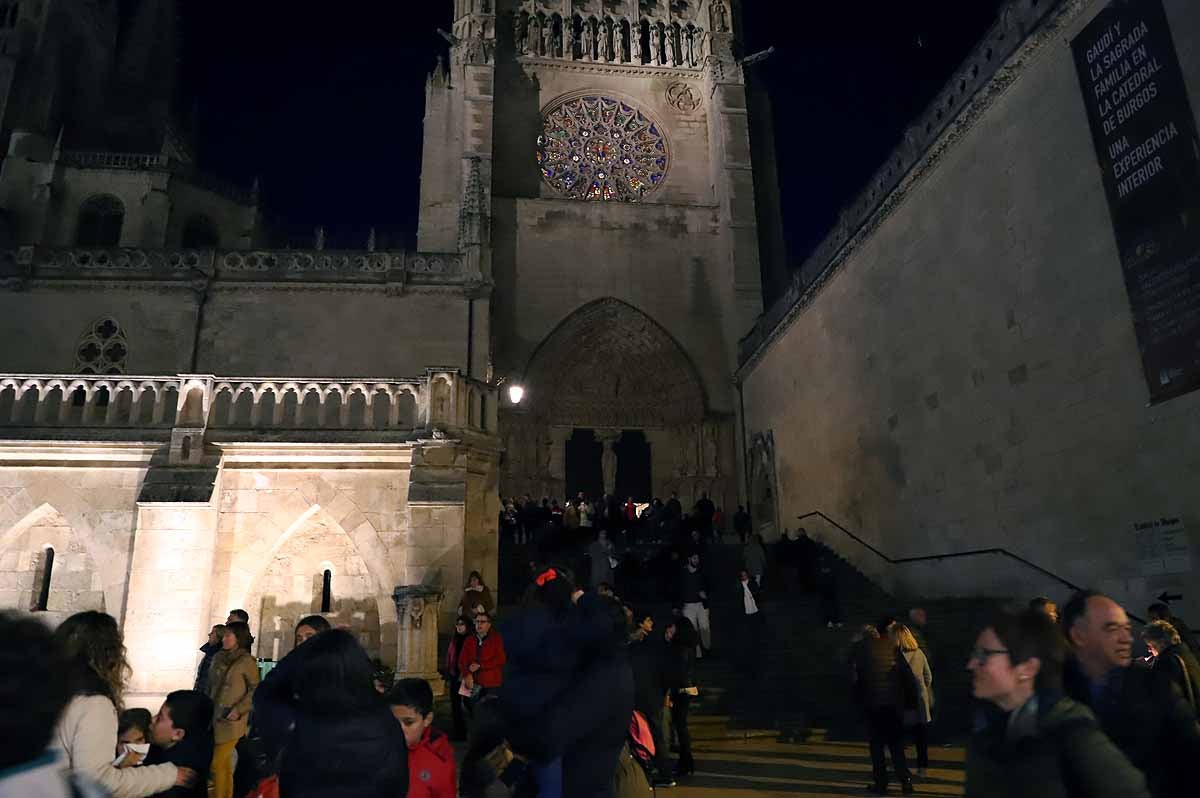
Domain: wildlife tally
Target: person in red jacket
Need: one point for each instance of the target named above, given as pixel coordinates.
(431, 771)
(482, 659)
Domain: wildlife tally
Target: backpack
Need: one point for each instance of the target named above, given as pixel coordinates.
(630, 779)
(641, 741)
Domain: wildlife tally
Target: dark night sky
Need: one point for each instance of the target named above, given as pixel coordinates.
(325, 101)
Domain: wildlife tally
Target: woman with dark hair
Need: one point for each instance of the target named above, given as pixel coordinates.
(345, 744)
(678, 664)
(476, 597)
(87, 731)
(1030, 738)
(462, 630)
(274, 700)
(309, 627)
(231, 684)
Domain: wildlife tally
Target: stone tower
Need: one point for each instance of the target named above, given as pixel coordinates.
(595, 155)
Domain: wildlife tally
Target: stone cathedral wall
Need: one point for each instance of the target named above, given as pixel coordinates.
(967, 376)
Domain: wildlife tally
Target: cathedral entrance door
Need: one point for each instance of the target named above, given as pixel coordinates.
(583, 466)
(633, 466)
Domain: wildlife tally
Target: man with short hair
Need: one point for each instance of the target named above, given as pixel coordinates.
(181, 734)
(742, 523)
(238, 615)
(1140, 711)
(481, 661)
(694, 597)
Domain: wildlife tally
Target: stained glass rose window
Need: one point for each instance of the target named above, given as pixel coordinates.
(599, 148)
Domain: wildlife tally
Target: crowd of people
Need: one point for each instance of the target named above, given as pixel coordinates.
(526, 520)
(1066, 707)
(574, 692)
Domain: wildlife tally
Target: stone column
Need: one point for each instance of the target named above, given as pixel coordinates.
(558, 452)
(608, 458)
(170, 593)
(417, 608)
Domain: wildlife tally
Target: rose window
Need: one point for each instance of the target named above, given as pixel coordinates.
(598, 148)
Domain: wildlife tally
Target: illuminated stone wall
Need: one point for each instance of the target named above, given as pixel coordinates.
(967, 376)
(168, 538)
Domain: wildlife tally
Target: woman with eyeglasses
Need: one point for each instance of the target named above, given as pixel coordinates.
(1030, 739)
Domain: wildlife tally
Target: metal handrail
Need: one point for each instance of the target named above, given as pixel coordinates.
(946, 556)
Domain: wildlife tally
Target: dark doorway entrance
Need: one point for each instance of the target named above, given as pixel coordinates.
(633, 466)
(583, 465)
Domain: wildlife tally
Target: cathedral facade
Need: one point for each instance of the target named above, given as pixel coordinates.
(192, 420)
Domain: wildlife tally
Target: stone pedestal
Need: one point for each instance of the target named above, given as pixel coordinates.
(417, 608)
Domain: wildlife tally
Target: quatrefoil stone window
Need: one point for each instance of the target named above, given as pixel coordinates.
(599, 148)
(102, 349)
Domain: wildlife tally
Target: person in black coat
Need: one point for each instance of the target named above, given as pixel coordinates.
(1174, 660)
(646, 658)
(680, 680)
(181, 733)
(275, 698)
(567, 697)
(210, 648)
(1140, 710)
(345, 743)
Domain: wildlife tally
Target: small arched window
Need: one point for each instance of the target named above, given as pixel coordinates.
(100, 221)
(326, 590)
(200, 232)
(41, 579)
(102, 349)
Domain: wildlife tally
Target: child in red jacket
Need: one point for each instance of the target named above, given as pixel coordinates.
(431, 771)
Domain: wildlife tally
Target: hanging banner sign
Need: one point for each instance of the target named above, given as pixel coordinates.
(1145, 138)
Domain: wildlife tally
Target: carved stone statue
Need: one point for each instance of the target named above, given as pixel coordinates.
(608, 461)
(655, 45)
(522, 29)
(535, 35)
(720, 15)
(548, 38)
(698, 38)
(568, 39)
(670, 47)
(711, 455)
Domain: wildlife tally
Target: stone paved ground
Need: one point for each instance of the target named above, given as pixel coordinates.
(764, 768)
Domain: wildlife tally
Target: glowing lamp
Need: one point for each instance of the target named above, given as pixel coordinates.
(515, 394)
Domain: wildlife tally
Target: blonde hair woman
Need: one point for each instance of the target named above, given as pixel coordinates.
(917, 719)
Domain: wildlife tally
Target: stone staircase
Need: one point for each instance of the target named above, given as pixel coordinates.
(802, 688)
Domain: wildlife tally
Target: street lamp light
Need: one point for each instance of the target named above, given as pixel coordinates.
(516, 393)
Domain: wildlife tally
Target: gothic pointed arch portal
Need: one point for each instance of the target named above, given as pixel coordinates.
(610, 365)
(609, 373)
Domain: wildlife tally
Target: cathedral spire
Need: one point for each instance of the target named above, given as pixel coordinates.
(144, 82)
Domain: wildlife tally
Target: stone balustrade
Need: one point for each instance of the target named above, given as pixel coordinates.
(249, 265)
(158, 162)
(441, 400)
